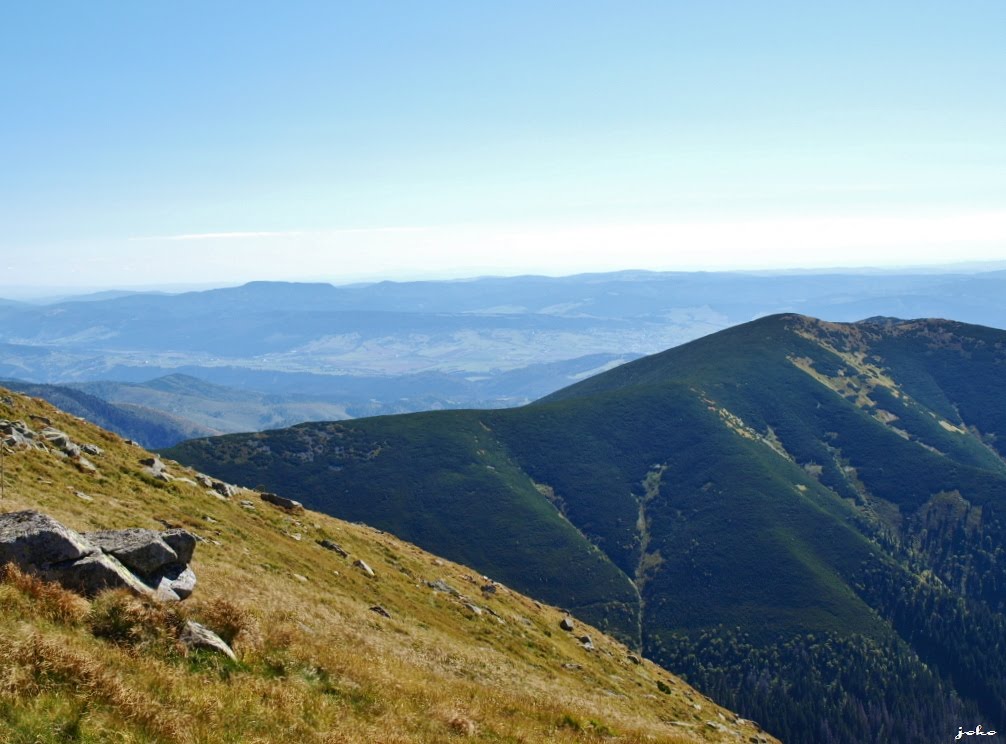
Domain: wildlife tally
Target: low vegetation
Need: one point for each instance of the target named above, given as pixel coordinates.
(786, 505)
(315, 661)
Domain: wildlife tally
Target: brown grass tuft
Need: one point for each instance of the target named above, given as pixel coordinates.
(461, 725)
(226, 619)
(134, 622)
(38, 664)
(49, 600)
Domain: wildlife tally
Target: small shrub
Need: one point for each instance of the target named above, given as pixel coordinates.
(225, 618)
(127, 620)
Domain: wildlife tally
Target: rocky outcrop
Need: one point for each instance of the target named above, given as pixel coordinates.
(31, 539)
(282, 502)
(143, 561)
(18, 435)
(142, 551)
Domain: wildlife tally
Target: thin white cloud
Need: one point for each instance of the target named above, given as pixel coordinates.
(247, 234)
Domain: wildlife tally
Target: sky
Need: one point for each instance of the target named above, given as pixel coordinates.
(154, 143)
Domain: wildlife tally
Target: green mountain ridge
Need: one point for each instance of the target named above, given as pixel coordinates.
(802, 517)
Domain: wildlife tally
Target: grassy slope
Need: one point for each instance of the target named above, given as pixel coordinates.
(315, 664)
(743, 480)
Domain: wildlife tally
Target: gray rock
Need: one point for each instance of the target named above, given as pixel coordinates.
(204, 480)
(55, 437)
(71, 449)
(33, 540)
(586, 641)
(474, 608)
(362, 565)
(635, 659)
(489, 589)
(95, 573)
(7, 401)
(442, 586)
(224, 489)
(178, 579)
(566, 624)
(85, 465)
(154, 463)
(92, 449)
(182, 542)
(140, 549)
(334, 547)
(282, 503)
(195, 635)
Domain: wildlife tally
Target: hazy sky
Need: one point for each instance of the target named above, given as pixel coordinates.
(165, 142)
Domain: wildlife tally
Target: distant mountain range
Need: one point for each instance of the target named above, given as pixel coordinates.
(804, 518)
(398, 347)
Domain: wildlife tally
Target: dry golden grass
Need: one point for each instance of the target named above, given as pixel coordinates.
(315, 663)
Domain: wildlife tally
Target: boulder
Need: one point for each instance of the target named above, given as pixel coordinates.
(153, 463)
(566, 624)
(92, 449)
(442, 586)
(224, 489)
(182, 542)
(362, 565)
(85, 465)
(204, 480)
(34, 541)
(178, 579)
(55, 437)
(139, 549)
(282, 503)
(334, 547)
(195, 635)
(94, 573)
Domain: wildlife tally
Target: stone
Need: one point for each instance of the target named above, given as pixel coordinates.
(182, 542)
(154, 463)
(635, 659)
(489, 589)
(92, 449)
(334, 547)
(586, 642)
(282, 502)
(55, 437)
(141, 550)
(95, 573)
(442, 586)
(83, 496)
(566, 624)
(85, 465)
(224, 489)
(177, 578)
(474, 608)
(33, 540)
(380, 611)
(362, 565)
(199, 636)
(204, 480)
(247, 505)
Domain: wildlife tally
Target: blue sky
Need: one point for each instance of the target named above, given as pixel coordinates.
(172, 142)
